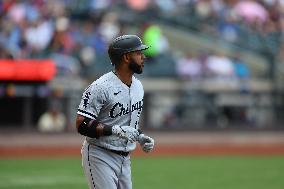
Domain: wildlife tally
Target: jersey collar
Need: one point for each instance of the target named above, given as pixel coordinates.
(117, 78)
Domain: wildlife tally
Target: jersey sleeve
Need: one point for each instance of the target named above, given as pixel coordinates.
(92, 101)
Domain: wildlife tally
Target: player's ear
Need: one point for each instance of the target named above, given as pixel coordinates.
(126, 57)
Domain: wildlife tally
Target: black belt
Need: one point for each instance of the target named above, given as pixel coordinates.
(121, 153)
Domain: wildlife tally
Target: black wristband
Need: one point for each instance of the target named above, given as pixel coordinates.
(87, 129)
(107, 130)
(94, 129)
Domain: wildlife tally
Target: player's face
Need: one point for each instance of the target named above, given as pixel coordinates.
(136, 62)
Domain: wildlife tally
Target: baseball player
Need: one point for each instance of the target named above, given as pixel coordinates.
(108, 115)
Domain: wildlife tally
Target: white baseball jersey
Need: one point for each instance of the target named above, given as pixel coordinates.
(111, 102)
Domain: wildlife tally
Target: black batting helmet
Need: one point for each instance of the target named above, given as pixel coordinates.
(124, 44)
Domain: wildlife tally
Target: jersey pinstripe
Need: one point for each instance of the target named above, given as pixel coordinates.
(111, 102)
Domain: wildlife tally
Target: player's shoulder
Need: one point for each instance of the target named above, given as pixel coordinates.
(104, 79)
(102, 82)
(136, 81)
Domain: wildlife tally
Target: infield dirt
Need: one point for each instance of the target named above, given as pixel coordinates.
(34, 144)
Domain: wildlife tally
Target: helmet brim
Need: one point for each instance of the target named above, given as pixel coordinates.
(140, 48)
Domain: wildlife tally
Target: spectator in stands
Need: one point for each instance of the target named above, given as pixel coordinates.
(220, 66)
(62, 41)
(137, 5)
(242, 72)
(240, 67)
(53, 120)
(109, 28)
(228, 28)
(204, 9)
(189, 67)
(154, 37)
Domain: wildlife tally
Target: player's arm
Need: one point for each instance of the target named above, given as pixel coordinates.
(94, 129)
(91, 127)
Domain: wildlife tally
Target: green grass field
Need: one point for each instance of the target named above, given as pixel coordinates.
(156, 173)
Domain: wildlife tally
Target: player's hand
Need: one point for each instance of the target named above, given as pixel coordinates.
(146, 143)
(126, 132)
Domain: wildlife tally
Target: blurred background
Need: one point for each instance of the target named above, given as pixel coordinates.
(213, 81)
(212, 64)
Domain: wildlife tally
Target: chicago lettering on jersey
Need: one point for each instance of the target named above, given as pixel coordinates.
(118, 109)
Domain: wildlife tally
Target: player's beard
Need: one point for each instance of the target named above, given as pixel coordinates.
(136, 68)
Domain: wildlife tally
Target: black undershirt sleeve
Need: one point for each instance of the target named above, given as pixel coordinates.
(94, 129)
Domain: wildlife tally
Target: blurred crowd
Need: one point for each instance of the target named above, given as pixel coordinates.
(252, 24)
(75, 33)
(212, 65)
(48, 29)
